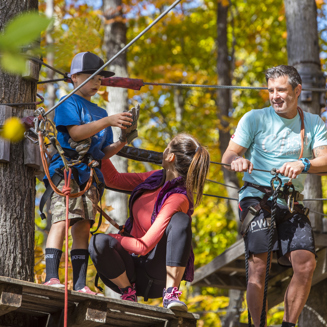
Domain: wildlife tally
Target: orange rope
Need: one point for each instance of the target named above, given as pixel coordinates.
(66, 190)
(302, 138)
(302, 130)
(46, 170)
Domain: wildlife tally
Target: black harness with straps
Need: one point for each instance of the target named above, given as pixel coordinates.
(58, 176)
(287, 192)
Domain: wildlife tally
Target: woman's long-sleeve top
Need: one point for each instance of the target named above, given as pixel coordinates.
(145, 235)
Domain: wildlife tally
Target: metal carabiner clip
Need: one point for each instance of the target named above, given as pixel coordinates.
(277, 179)
(290, 203)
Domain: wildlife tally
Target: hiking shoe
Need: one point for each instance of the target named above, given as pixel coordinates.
(129, 293)
(171, 301)
(86, 290)
(54, 282)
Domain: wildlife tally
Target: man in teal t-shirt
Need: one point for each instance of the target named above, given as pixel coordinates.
(271, 138)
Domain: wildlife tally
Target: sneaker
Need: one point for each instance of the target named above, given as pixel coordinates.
(86, 290)
(54, 282)
(171, 301)
(129, 293)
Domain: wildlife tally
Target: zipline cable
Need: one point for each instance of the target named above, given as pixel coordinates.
(229, 87)
(116, 55)
(46, 65)
(231, 186)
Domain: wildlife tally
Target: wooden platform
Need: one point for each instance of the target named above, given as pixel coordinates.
(227, 271)
(46, 303)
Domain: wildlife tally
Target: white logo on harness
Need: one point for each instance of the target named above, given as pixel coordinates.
(260, 224)
(78, 257)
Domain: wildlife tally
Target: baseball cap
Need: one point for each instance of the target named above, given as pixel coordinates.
(88, 63)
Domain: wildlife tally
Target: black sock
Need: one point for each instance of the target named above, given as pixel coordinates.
(52, 260)
(79, 259)
(287, 324)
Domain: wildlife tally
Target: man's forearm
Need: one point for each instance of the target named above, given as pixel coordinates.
(229, 156)
(318, 165)
(112, 149)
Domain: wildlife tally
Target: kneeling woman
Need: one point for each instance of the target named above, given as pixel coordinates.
(158, 254)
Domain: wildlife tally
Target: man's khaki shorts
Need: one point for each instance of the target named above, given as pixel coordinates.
(83, 207)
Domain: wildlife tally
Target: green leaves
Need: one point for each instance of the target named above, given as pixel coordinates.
(21, 31)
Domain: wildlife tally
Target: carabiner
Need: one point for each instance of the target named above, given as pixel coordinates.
(277, 179)
(290, 203)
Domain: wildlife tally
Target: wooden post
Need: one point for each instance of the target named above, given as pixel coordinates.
(32, 71)
(88, 314)
(10, 298)
(5, 113)
(32, 157)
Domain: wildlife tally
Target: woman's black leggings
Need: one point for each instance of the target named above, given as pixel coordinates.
(111, 259)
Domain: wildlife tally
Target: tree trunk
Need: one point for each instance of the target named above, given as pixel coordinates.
(114, 41)
(51, 97)
(304, 56)
(224, 106)
(303, 53)
(17, 181)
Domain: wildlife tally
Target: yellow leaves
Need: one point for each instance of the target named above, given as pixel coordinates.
(320, 3)
(284, 35)
(264, 95)
(224, 3)
(104, 93)
(13, 130)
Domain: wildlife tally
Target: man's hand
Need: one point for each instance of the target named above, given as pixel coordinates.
(122, 120)
(291, 169)
(241, 164)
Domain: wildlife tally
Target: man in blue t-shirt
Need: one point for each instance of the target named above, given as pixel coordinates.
(271, 138)
(78, 119)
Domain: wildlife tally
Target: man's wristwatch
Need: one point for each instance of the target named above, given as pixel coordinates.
(306, 163)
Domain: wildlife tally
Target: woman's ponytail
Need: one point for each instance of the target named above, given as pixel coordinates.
(192, 163)
(197, 173)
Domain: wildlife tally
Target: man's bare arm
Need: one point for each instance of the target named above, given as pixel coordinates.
(317, 165)
(233, 156)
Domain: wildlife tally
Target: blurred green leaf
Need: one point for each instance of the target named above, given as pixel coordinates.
(13, 62)
(23, 30)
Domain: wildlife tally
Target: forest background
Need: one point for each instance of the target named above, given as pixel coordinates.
(182, 48)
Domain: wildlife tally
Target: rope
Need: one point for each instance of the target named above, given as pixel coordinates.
(25, 103)
(46, 170)
(229, 165)
(40, 61)
(53, 80)
(247, 278)
(231, 186)
(66, 191)
(270, 245)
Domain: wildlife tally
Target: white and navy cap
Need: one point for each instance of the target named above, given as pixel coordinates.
(88, 63)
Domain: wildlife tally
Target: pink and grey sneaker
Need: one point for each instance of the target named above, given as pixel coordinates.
(171, 299)
(129, 293)
(54, 282)
(86, 290)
